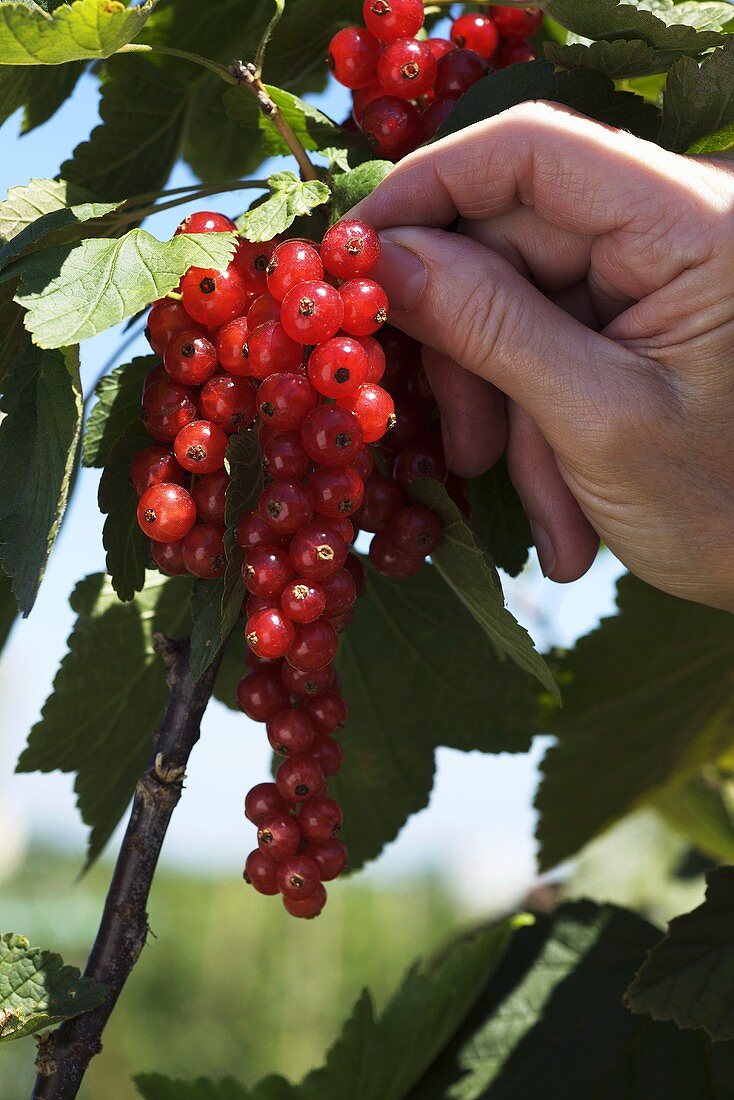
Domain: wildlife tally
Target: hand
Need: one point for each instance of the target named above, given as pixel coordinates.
(582, 319)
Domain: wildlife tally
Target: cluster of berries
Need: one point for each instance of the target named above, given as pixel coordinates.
(404, 85)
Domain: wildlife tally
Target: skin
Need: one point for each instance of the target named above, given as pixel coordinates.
(581, 321)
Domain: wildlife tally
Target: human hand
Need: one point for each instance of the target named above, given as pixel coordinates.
(582, 320)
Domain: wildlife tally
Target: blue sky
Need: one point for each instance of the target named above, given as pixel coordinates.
(493, 795)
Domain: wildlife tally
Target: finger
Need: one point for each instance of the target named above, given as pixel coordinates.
(564, 539)
(472, 415)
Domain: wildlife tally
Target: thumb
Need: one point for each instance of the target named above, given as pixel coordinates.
(468, 303)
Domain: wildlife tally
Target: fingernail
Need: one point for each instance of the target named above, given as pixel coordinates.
(544, 547)
(403, 275)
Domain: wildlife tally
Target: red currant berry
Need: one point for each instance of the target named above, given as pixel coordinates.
(513, 53)
(203, 551)
(338, 366)
(200, 447)
(415, 530)
(190, 358)
(209, 497)
(165, 319)
(263, 801)
(206, 221)
(376, 361)
(299, 779)
(374, 408)
(336, 490)
(168, 556)
(341, 595)
(331, 436)
(284, 457)
(153, 465)
(266, 570)
(307, 908)
(293, 262)
(270, 350)
(329, 856)
(285, 400)
(390, 19)
(252, 605)
(362, 98)
(435, 115)
(252, 531)
(269, 633)
(278, 836)
(213, 297)
(457, 72)
(298, 878)
(476, 32)
(320, 819)
(290, 731)
(286, 506)
(314, 646)
(166, 512)
(364, 463)
(440, 47)
(418, 462)
(251, 260)
(391, 126)
(353, 53)
(317, 551)
(350, 249)
(303, 601)
(354, 565)
(383, 497)
(312, 312)
(261, 694)
(263, 309)
(261, 872)
(232, 348)
(391, 562)
(308, 683)
(167, 408)
(365, 306)
(341, 623)
(407, 68)
(517, 23)
(329, 754)
(229, 402)
(328, 712)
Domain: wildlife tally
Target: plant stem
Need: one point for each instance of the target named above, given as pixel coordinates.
(196, 59)
(248, 77)
(65, 1055)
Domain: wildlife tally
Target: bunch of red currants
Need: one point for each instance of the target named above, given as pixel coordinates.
(404, 86)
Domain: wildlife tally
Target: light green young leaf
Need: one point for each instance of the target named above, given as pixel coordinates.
(38, 991)
(290, 198)
(117, 407)
(108, 696)
(470, 572)
(128, 551)
(76, 291)
(82, 31)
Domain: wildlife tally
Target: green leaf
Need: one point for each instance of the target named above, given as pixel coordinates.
(118, 406)
(43, 207)
(39, 91)
(76, 291)
(590, 93)
(688, 975)
(618, 60)
(243, 492)
(470, 572)
(698, 99)
(39, 434)
(378, 1057)
(349, 188)
(498, 519)
(648, 700)
(290, 198)
(38, 991)
(418, 673)
(12, 333)
(550, 1022)
(128, 550)
(108, 696)
(698, 810)
(8, 610)
(298, 49)
(82, 31)
(673, 30)
(206, 611)
(720, 141)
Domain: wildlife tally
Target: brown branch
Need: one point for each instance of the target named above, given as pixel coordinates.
(247, 76)
(67, 1052)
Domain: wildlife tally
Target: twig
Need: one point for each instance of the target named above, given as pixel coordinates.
(124, 926)
(247, 76)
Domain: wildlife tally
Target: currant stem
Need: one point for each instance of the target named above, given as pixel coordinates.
(260, 55)
(185, 55)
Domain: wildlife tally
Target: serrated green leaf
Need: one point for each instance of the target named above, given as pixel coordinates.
(620, 59)
(206, 612)
(108, 696)
(498, 519)
(38, 991)
(697, 809)
(39, 434)
(243, 492)
(349, 188)
(82, 31)
(76, 291)
(648, 701)
(33, 212)
(118, 406)
(40, 91)
(377, 1057)
(718, 142)
(550, 1022)
(673, 30)
(298, 49)
(471, 574)
(698, 99)
(290, 198)
(687, 977)
(127, 548)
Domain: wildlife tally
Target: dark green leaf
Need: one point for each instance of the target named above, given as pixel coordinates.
(498, 519)
(618, 59)
(349, 188)
(688, 976)
(550, 1023)
(206, 612)
(231, 670)
(647, 700)
(82, 31)
(246, 480)
(153, 1086)
(698, 100)
(697, 808)
(108, 697)
(418, 673)
(290, 198)
(128, 550)
(674, 29)
(215, 145)
(38, 437)
(40, 91)
(12, 332)
(298, 49)
(470, 572)
(8, 610)
(118, 406)
(38, 991)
